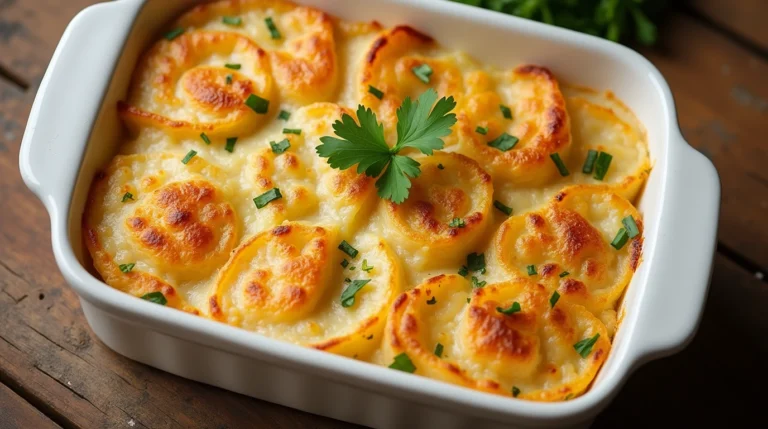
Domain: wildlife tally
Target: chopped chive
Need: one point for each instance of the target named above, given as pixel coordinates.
(463, 271)
(457, 222)
(376, 92)
(273, 31)
(602, 164)
(156, 297)
(126, 268)
(560, 164)
(514, 308)
(348, 295)
(439, 350)
(348, 249)
(423, 72)
(229, 79)
(344, 263)
(631, 226)
(205, 138)
(296, 131)
(280, 146)
(176, 32)
(506, 111)
(230, 146)
(568, 397)
(531, 270)
(476, 262)
(620, 240)
(553, 299)
(468, 300)
(584, 347)
(589, 163)
(432, 301)
(403, 363)
(257, 104)
(564, 274)
(127, 196)
(481, 130)
(367, 268)
(262, 200)
(352, 268)
(504, 142)
(188, 157)
(284, 115)
(503, 208)
(515, 391)
(232, 66)
(476, 283)
(232, 20)
(440, 167)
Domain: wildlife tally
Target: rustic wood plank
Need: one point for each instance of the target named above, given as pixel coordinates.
(16, 413)
(722, 102)
(745, 18)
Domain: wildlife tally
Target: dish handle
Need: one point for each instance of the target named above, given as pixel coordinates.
(671, 310)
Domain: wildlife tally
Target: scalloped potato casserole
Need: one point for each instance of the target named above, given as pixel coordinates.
(500, 271)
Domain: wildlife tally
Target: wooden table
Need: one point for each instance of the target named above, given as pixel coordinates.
(54, 372)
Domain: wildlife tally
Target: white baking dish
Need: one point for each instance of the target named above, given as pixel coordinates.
(73, 130)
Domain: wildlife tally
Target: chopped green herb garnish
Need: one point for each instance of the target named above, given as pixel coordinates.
(423, 72)
(503, 208)
(352, 268)
(280, 146)
(188, 157)
(273, 31)
(367, 268)
(504, 142)
(267, 197)
(553, 299)
(229, 79)
(560, 164)
(296, 131)
(467, 300)
(156, 297)
(432, 301)
(476, 283)
(476, 262)
(205, 138)
(440, 167)
(257, 104)
(631, 226)
(344, 263)
(419, 125)
(176, 32)
(284, 115)
(512, 309)
(126, 268)
(564, 274)
(232, 20)
(347, 280)
(568, 397)
(584, 347)
(457, 222)
(515, 391)
(481, 130)
(127, 196)
(439, 350)
(463, 271)
(348, 296)
(369, 337)
(620, 240)
(232, 66)
(589, 163)
(348, 249)
(602, 164)
(403, 363)
(230, 146)
(506, 111)
(376, 92)
(531, 270)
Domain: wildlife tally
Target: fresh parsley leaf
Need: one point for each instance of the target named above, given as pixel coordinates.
(476, 283)
(420, 126)
(476, 262)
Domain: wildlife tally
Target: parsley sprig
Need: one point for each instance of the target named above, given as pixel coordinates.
(419, 125)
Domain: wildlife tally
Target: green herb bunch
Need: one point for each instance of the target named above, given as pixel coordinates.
(617, 20)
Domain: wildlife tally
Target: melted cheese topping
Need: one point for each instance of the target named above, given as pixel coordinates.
(193, 232)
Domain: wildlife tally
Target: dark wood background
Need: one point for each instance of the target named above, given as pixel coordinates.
(54, 372)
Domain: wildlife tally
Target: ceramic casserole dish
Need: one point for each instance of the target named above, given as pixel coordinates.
(74, 129)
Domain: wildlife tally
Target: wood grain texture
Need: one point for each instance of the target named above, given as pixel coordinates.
(16, 413)
(745, 18)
